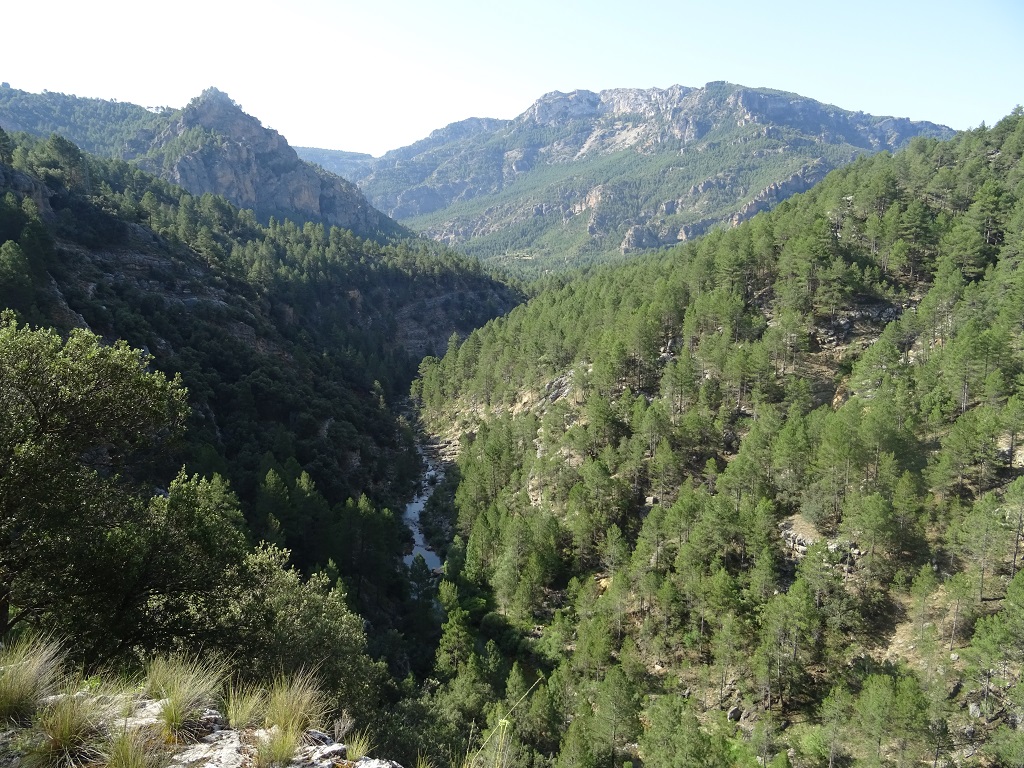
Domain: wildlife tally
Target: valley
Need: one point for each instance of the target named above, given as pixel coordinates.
(734, 481)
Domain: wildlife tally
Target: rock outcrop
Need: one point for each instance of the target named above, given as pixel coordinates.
(215, 744)
(213, 146)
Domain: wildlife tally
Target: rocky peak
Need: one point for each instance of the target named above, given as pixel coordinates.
(556, 107)
(214, 146)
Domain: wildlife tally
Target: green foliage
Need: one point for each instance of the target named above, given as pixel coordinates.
(673, 738)
(30, 670)
(280, 622)
(635, 441)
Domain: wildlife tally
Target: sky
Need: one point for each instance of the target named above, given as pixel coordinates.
(375, 75)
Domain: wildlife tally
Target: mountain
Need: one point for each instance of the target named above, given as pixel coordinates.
(210, 146)
(749, 497)
(583, 176)
(348, 165)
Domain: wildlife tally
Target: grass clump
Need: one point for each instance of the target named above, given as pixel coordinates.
(358, 745)
(134, 748)
(30, 670)
(278, 749)
(68, 731)
(186, 685)
(245, 705)
(296, 703)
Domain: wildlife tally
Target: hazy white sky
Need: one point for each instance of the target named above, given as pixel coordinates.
(379, 74)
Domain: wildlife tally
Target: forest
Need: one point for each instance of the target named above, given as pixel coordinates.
(767, 483)
(753, 500)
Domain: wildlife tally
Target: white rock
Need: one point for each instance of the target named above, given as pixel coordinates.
(372, 762)
(221, 749)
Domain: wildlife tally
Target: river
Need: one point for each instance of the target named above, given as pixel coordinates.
(411, 516)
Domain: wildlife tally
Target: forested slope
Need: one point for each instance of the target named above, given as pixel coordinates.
(296, 345)
(773, 474)
(584, 177)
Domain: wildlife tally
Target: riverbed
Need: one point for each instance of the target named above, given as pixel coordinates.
(411, 516)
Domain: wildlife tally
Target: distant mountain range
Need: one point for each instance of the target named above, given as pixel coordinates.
(583, 175)
(577, 178)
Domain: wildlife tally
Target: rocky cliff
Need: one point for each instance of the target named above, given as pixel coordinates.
(587, 173)
(213, 146)
(209, 146)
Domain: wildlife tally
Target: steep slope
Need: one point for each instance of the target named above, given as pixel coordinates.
(771, 476)
(582, 175)
(288, 339)
(210, 146)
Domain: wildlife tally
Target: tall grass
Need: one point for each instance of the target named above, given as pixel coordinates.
(278, 750)
(186, 685)
(134, 748)
(358, 745)
(30, 670)
(245, 705)
(68, 731)
(296, 703)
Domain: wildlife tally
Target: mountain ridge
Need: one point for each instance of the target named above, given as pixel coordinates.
(209, 146)
(594, 174)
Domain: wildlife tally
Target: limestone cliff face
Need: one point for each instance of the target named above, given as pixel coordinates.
(213, 146)
(621, 170)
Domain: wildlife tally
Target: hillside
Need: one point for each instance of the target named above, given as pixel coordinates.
(296, 345)
(583, 176)
(766, 485)
(210, 146)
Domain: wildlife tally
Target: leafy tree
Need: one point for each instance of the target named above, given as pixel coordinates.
(72, 414)
(280, 622)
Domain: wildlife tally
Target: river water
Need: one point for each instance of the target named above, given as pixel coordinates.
(411, 516)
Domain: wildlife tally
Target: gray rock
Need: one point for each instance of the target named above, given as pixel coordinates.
(221, 749)
(314, 736)
(323, 756)
(973, 709)
(372, 762)
(254, 167)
